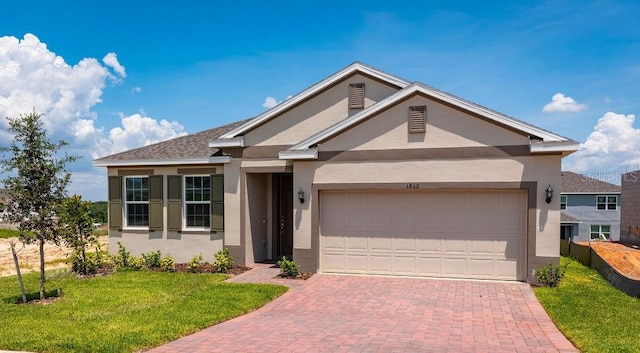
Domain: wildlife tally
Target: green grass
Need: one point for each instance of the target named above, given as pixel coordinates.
(8, 233)
(123, 312)
(594, 315)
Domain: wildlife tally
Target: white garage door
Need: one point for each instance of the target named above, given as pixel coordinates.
(463, 234)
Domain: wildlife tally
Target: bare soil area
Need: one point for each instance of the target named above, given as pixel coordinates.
(624, 258)
(29, 257)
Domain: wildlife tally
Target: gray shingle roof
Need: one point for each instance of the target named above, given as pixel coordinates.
(567, 218)
(572, 182)
(190, 146)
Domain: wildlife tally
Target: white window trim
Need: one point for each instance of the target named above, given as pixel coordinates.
(600, 231)
(184, 203)
(606, 202)
(126, 203)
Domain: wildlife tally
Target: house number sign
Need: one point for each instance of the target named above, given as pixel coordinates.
(413, 186)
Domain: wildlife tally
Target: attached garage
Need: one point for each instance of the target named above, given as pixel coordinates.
(444, 233)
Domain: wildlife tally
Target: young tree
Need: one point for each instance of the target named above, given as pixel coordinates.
(77, 230)
(36, 183)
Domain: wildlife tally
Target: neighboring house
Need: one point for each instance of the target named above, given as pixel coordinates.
(362, 172)
(4, 199)
(590, 207)
(630, 215)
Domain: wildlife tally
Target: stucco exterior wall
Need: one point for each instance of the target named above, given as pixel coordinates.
(181, 245)
(445, 128)
(630, 204)
(543, 219)
(316, 114)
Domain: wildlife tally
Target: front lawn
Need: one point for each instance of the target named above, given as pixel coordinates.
(594, 315)
(122, 312)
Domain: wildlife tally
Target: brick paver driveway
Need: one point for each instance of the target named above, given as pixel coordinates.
(331, 313)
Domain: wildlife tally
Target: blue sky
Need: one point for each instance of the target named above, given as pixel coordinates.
(181, 67)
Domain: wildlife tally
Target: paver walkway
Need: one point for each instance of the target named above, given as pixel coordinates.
(332, 313)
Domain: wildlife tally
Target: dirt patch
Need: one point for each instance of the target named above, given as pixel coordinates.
(29, 258)
(624, 258)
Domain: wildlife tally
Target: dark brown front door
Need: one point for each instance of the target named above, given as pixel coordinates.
(283, 214)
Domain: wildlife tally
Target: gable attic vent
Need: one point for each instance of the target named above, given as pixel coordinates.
(356, 96)
(417, 118)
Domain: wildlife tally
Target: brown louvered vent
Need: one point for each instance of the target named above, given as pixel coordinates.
(356, 96)
(417, 118)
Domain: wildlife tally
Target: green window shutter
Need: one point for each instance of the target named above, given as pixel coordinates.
(174, 204)
(217, 202)
(115, 202)
(155, 202)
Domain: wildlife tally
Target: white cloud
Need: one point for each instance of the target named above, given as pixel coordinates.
(563, 104)
(111, 60)
(612, 148)
(33, 77)
(270, 102)
(136, 89)
(137, 130)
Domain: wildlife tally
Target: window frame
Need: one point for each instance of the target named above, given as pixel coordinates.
(185, 203)
(600, 231)
(563, 202)
(606, 203)
(126, 202)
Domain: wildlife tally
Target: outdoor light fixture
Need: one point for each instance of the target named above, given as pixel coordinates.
(301, 195)
(549, 194)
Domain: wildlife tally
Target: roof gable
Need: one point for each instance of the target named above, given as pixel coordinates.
(581, 184)
(559, 142)
(352, 69)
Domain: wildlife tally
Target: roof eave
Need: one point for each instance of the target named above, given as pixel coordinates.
(565, 147)
(311, 153)
(227, 142)
(173, 161)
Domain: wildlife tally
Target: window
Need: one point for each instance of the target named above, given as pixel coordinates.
(563, 202)
(197, 196)
(417, 118)
(606, 202)
(137, 201)
(356, 96)
(596, 230)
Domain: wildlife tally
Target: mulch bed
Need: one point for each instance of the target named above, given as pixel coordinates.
(302, 275)
(209, 268)
(625, 258)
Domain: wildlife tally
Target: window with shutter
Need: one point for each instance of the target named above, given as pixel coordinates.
(356, 96)
(155, 203)
(174, 203)
(417, 118)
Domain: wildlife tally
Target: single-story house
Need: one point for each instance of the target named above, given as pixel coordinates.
(363, 172)
(589, 208)
(630, 215)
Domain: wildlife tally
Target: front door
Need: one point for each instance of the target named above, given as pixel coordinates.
(283, 190)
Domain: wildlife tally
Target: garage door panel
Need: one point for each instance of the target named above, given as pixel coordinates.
(380, 263)
(405, 244)
(459, 233)
(430, 266)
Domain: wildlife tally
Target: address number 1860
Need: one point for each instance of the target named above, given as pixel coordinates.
(413, 186)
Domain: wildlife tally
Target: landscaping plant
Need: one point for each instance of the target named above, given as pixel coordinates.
(550, 275)
(288, 268)
(77, 231)
(194, 263)
(223, 261)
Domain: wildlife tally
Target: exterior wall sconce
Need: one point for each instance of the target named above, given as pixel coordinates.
(301, 195)
(549, 194)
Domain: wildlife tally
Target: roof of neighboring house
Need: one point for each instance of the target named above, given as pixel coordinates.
(566, 218)
(576, 183)
(184, 147)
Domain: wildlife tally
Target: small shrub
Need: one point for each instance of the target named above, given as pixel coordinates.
(122, 259)
(167, 264)
(194, 263)
(136, 263)
(288, 268)
(550, 275)
(223, 261)
(152, 260)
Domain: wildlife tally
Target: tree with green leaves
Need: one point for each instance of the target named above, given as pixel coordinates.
(77, 231)
(36, 183)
